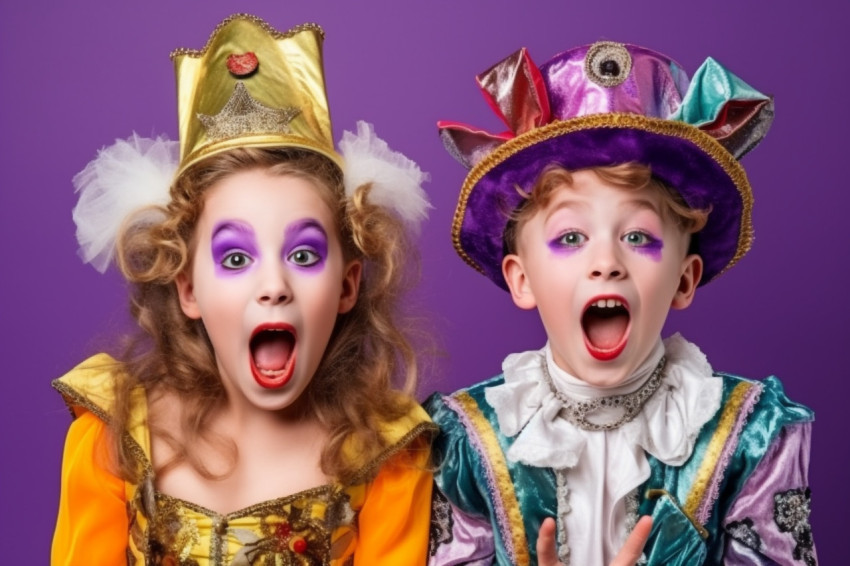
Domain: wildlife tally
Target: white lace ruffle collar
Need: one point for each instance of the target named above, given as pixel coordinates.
(666, 428)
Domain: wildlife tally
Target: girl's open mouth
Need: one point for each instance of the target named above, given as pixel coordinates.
(606, 324)
(273, 354)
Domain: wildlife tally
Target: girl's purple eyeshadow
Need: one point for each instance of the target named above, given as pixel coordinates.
(230, 236)
(308, 234)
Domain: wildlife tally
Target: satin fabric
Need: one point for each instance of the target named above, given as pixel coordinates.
(96, 507)
(753, 417)
(691, 134)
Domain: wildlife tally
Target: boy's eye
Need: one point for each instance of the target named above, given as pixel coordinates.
(637, 238)
(304, 257)
(572, 239)
(236, 260)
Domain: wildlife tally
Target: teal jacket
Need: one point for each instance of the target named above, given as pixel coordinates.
(704, 511)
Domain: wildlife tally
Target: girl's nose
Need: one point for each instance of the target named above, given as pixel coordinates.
(274, 289)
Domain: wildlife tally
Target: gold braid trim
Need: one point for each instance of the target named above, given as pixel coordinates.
(502, 477)
(368, 471)
(671, 128)
(73, 398)
(251, 18)
(715, 446)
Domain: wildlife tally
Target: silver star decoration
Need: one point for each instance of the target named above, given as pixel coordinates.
(243, 114)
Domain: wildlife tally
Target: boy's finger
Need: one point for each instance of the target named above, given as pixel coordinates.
(546, 553)
(633, 547)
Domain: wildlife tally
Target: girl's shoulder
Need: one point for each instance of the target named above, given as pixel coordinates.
(406, 439)
(91, 387)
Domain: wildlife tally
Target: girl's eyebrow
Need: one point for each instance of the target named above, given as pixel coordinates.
(303, 224)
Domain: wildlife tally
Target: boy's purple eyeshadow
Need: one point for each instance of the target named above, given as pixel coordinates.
(309, 234)
(556, 247)
(230, 236)
(652, 249)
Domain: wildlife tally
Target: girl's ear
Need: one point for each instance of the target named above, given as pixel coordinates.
(186, 293)
(688, 281)
(517, 280)
(350, 286)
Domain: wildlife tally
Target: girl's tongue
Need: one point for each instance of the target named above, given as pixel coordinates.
(272, 350)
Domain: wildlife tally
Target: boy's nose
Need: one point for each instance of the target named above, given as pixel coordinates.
(607, 266)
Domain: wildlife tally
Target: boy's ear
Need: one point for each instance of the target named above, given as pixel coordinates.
(691, 274)
(514, 273)
(186, 293)
(350, 286)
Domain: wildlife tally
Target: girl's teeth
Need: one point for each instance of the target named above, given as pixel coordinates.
(608, 303)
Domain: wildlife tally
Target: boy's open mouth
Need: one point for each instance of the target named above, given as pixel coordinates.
(606, 327)
(273, 355)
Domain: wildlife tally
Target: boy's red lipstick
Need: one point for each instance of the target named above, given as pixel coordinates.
(273, 354)
(606, 323)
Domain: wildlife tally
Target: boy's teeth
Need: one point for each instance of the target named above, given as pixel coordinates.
(607, 303)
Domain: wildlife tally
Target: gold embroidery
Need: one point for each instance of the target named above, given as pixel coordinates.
(672, 128)
(502, 477)
(715, 447)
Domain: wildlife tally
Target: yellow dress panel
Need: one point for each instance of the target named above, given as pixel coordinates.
(104, 520)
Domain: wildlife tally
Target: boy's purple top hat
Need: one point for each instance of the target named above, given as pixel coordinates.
(605, 104)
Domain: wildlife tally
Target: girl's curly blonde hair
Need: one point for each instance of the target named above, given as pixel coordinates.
(368, 374)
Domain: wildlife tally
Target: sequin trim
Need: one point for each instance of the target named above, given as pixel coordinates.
(297, 529)
(266, 27)
(502, 488)
(607, 51)
(441, 529)
(744, 532)
(722, 434)
(564, 508)
(631, 404)
(244, 115)
(681, 130)
(704, 512)
(791, 511)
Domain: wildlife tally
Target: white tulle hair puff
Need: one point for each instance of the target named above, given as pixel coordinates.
(125, 177)
(396, 180)
(136, 173)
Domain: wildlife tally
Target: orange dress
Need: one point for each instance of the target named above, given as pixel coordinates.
(106, 521)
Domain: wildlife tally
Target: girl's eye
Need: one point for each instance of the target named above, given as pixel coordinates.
(572, 239)
(236, 260)
(637, 238)
(304, 257)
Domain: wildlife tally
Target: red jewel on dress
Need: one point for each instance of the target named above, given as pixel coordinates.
(299, 545)
(242, 64)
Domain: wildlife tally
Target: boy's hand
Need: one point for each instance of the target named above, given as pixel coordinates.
(628, 556)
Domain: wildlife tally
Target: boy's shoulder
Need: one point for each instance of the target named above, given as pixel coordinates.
(463, 408)
(760, 398)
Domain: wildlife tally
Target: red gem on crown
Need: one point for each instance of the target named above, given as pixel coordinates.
(242, 64)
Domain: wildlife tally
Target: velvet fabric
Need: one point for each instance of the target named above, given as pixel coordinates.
(690, 133)
(696, 507)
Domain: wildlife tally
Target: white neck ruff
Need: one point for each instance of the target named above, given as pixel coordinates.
(603, 467)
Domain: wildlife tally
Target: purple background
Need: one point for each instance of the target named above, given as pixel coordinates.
(77, 75)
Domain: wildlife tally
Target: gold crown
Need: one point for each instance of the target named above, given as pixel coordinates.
(252, 85)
